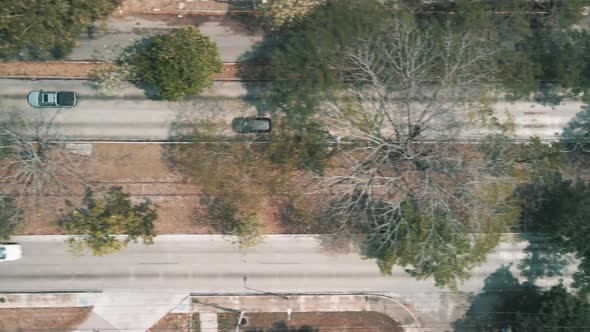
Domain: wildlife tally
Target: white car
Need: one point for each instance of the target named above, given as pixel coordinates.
(43, 99)
(10, 251)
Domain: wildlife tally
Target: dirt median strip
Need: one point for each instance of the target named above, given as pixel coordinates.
(84, 69)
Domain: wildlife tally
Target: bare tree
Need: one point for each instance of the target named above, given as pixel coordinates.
(406, 181)
(32, 161)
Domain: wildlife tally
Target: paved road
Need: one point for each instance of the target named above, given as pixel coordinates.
(176, 265)
(126, 114)
(210, 263)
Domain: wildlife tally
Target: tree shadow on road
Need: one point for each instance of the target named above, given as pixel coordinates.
(503, 296)
(254, 71)
(543, 259)
(575, 139)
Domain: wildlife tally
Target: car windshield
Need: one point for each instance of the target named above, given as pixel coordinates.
(45, 98)
(2, 253)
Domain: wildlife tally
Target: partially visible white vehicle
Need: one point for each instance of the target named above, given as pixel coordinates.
(10, 251)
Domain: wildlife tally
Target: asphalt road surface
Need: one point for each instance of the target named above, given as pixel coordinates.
(127, 114)
(141, 283)
(210, 263)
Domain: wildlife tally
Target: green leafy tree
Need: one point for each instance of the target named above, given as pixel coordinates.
(282, 14)
(426, 245)
(176, 65)
(537, 53)
(505, 303)
(98, 222)
(40, 29)
(10, 217)
(303, 65)
(555, 66)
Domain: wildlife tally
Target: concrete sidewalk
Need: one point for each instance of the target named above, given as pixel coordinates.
(391, 306)
(132, 310)
(49, 300)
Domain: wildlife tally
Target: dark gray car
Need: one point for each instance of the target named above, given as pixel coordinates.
(42, 98)
(251, 125)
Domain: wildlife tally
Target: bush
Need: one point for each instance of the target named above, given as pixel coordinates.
(175, 65)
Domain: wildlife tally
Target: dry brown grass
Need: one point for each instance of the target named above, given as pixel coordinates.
(47, 319)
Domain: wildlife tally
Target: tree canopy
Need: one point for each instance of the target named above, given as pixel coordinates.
(537, 51)
(392, 77)
(554, 65)
(41, 30)
(175, 65)
(30, 160)
(418, 203)
(303, 64)
(97, 222)
(283, 14)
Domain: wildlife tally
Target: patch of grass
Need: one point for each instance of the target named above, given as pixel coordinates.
(195, 323)
(227, 322)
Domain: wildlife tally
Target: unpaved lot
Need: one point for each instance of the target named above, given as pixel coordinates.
(143, 172)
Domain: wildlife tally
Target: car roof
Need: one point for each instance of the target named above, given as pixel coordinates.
(10, 252)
